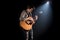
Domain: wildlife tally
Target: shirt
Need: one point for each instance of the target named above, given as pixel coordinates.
(24, 15)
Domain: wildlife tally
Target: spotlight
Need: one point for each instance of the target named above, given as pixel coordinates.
(47, 2)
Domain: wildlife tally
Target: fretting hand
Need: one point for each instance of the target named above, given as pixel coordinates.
(36, 17)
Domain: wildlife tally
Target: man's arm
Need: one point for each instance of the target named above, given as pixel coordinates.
(22, 16)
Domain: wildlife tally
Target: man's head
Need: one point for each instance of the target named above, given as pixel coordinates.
(30, 8)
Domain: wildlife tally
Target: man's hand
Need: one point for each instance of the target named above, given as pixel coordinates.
(36, 17)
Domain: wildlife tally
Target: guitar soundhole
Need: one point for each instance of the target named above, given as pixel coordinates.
(29, 22)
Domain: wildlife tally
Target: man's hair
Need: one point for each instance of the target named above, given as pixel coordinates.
(29, 6)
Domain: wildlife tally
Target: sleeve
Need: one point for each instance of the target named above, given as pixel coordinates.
(22, 16)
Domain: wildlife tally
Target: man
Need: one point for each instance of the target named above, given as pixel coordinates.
(26, 13)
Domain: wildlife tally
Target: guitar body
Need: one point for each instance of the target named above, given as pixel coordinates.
(27, 23)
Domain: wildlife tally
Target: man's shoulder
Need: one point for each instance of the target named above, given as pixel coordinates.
(23, 11)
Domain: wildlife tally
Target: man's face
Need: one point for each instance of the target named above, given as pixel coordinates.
(30, 10)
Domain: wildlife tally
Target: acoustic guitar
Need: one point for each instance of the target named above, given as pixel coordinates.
(27, 23)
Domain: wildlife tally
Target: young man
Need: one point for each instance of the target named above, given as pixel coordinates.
(26, 13)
